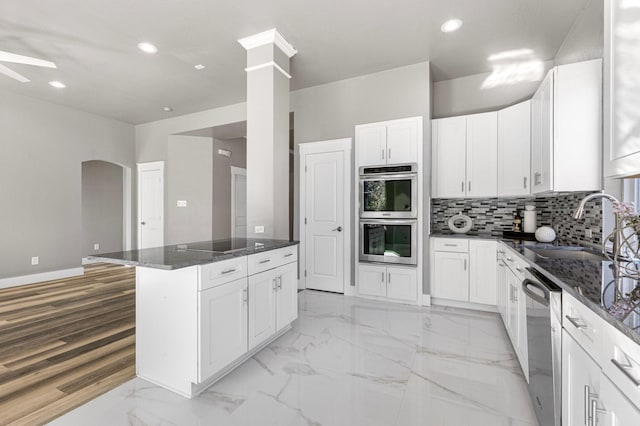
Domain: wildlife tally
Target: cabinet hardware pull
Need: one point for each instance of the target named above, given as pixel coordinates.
(265, 261)
(462, 186)
(588, 418)
(500, 251)
(575, 322)
(244, 295)
(469, 186)
(383, 153)
(524, 184)
(537, 178)
(451, 245)
(228, 271)
(594, 412)
(382, 277)
(389, 278)
(515, 294)
(388, 153)
(509, 259)
(288, 255)
(465, 264)
(519, 269)
(279, 283)
(625, 370)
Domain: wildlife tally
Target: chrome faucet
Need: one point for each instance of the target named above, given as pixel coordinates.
(579, 213)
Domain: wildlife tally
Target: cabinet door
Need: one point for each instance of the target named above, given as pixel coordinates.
(482, 155)
(372, 280)
(287, 295)
(402, 283)
(512, 308)
(580, 382)
(514, 150)
(403, 140)
(523, 344)
(482, 272)
(501, 291)
(542, 136)
(262, 303)
(451, 276)
(449, 157)
(223, 326)
(371, 144)
(617, 410)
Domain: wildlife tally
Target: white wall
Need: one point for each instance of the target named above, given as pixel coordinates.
(585, 40)
(42, 147)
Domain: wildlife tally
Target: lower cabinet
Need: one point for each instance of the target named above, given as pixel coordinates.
(614, 409)
(580, 383)
(464, 272)
(388, 281)
(223, 326)
(273, 302)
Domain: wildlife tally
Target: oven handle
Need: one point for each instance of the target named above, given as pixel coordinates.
(388, 176)
(543, 300)
(388, 221)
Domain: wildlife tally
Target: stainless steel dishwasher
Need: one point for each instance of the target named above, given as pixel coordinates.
(544, 338)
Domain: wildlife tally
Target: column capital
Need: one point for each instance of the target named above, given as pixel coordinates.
(271, 36)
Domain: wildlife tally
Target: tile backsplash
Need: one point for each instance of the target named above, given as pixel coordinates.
(495, 215)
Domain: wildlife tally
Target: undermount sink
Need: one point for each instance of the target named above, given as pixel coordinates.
(572, 253)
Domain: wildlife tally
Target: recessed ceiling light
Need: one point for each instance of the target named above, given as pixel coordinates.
(57, 84)
(199, 67)
(147, 47)
(167, 109)
(451, 25)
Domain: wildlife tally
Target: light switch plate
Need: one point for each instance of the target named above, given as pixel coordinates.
(182, 203)
(259, 229)
(35, 260)
(96, 246)
(588, 233)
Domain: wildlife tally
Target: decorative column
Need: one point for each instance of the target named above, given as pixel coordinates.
(268, 55)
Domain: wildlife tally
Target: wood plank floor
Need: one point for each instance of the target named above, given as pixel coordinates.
(64, 342)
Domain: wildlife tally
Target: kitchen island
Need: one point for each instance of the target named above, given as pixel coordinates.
(204, 308)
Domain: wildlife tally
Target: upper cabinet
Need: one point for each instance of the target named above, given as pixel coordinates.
(514, 150)
(465, 156)
(566, 129)
(389, 142)
(621, 90)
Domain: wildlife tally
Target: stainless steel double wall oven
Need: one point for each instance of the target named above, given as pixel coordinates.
(389, 214)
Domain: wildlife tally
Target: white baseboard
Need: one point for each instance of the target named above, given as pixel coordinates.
(426, 300)
(465, 305)
(44, 276)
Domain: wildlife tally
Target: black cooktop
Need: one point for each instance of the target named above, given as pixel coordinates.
(219, 246)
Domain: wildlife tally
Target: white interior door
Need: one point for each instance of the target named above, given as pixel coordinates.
(325, 215)
(151, 204)
(238, 202)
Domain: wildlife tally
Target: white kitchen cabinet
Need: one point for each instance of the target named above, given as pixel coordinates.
(622, 90)
(514, 150)
(451, 276)
(465, 156)
(389, 142)
(273, 302)
(501, 289)
(566, 123)
(482, 272)
(223, 326)
(394, 282)
(580, 383)
(613, 407)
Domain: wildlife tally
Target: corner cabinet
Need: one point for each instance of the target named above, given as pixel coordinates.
(514, 150)
(388, 142)
(566, 123)
(621, 91)
(464, 157)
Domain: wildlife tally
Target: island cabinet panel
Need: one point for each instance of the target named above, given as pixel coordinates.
(223, 326)
(287, 295)
(262, 305)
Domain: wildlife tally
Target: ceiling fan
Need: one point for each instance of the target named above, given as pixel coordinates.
(20, 59)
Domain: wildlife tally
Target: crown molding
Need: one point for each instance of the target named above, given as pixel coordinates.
(266, 37)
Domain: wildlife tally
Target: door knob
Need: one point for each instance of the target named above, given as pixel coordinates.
(143, 223)
(339, 229)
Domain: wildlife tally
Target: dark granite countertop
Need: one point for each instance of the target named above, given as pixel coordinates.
(589, 281)
(199, 253)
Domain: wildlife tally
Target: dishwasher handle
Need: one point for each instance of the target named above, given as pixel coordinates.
(543, 299)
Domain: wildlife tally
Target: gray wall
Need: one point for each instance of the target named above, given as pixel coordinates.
(585, 40)
(331, 111)
(189, 178)
(465, 95)
(222, 182)
(102, 207)
(42, 147)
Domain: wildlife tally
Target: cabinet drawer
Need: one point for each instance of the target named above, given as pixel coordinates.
(271, 259)
(584, 325)
(214, 274)
(451, 244)
(621, 362)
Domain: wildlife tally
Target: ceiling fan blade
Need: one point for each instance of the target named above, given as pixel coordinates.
(10, 73)
(20, 59)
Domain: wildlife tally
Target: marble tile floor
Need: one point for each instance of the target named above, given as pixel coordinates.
(348, 361)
